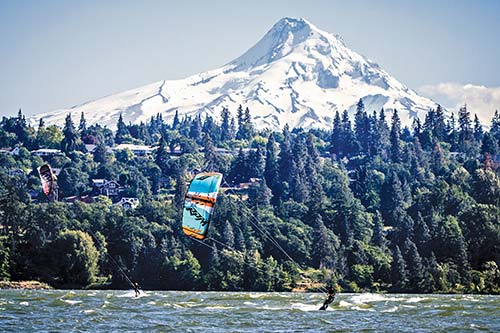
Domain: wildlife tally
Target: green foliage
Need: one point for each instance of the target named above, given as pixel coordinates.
(362, 275)
(71, 140)
(4, 259)
(74, 258)
(369, 206)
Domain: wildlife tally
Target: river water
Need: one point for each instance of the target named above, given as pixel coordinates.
(169, 311)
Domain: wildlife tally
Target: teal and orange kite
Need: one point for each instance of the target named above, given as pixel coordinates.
(199, 204)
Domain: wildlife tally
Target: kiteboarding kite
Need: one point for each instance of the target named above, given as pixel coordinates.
(199, 204)
(48, 181)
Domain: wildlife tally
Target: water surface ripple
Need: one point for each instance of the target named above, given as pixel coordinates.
(169, 311)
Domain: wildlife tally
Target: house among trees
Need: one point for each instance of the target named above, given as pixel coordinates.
(81, 198)
(137, 150)
(109, 188)
(128, 203)
(46, 152)
(90, 148)
(17, 172)
(246, 185)
(13, 152)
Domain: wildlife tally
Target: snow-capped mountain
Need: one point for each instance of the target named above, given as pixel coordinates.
(296, 74)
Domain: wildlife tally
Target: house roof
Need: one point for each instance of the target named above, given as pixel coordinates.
(46, 151)
(133, 147)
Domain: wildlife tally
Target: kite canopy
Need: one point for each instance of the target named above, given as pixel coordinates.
(199, 204)
(48, 180)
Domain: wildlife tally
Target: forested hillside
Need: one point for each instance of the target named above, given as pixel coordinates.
(369, 204)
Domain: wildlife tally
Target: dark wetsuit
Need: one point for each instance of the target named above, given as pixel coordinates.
(137, 289)
(329, 299)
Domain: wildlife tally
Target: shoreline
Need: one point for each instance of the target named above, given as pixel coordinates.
(25, 285)
(37, 285)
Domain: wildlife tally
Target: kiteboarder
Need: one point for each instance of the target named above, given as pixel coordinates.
(329, 299)
(137, 289)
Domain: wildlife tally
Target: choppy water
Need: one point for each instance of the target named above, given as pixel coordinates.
(108, 311)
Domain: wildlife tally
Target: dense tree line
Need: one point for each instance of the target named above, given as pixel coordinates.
(370, 204)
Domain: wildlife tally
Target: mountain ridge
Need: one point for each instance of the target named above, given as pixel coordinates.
(296, 74)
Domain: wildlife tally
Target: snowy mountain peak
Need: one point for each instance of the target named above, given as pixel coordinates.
(296, 74)
(278, 42)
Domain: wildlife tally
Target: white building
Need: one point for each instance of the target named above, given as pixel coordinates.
(46, 152)
(128, 203)
(138, 150)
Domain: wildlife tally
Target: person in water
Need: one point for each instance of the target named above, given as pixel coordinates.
(137, 289)
(329, 299)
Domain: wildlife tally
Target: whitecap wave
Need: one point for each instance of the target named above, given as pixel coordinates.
(71, 302)
(305, 307)
(217, 307)
(368, 297)
(390, 310)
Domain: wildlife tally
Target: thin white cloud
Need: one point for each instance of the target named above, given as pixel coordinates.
(479, 99)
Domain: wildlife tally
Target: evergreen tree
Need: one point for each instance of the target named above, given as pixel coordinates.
(249, 130)
(361, 127)
(298, 180)
(347, 139)
(415, 266)
(383, 130)
(374, 136)
(214, 277)
(438, 159)
(259, 195)
(313, 176)
(394, 137)
(465, 128)
(417, 127)
(489, 144)
(478, 129)
(195, 130)
(406, 134)
(82, 127)
(210, 155)
(452, 244)
(271, 171)
(211, 129)
(71, 140)
(241, 123)
(439, 124)
(399, 272)
(239, 168)
(245, 126)
(101, 154)
(176, 122)
(495, 127)
(422, 235)
(21, 129)
(180, 187)
(324, 250)
(122, 133)
(41, 124)
(227, 235)
(335, 143)
(162, 157)
(225, 128)
(378, 237)
(285, 162)
(232, 128)
(452, 133)
(256, 163)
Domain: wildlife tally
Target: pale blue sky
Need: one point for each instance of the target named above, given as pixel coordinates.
(55, 54)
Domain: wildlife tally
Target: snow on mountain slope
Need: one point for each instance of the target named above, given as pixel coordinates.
(296, 74)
